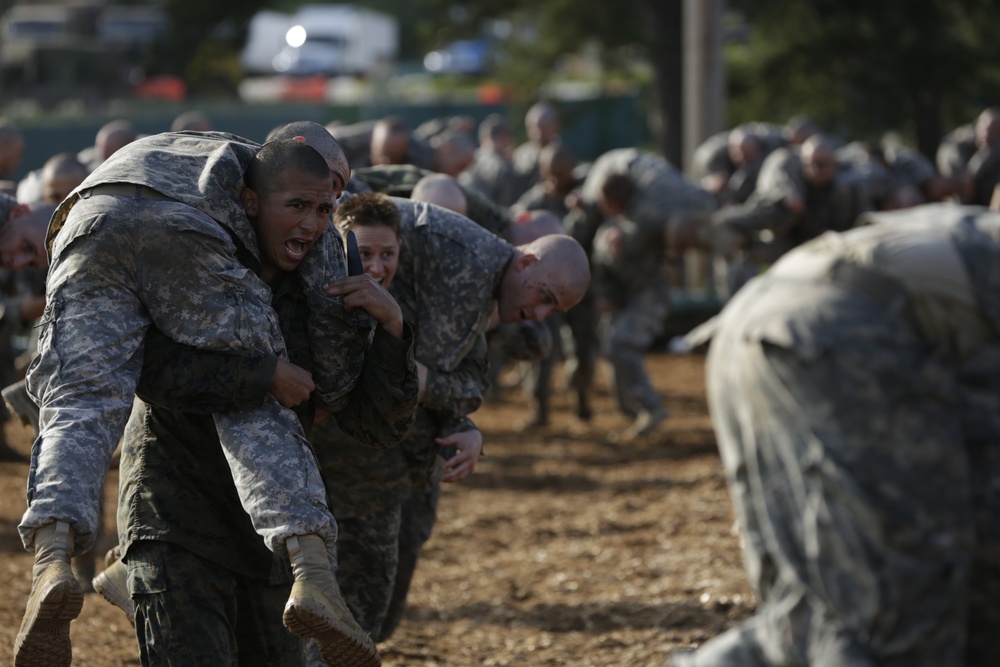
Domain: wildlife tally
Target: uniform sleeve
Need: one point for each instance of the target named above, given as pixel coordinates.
(459, 392)
(379, 410)
(338, 338)
(187, 379)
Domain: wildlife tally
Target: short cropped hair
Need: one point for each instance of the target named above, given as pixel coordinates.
(275, 157)
(368, 209)
(618, 188)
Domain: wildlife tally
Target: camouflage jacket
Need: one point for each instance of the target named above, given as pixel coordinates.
(449, 272)
(660, 193)
(182, 491)
(205, 171)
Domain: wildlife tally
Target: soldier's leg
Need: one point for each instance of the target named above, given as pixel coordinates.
(582, 364)
(633, 330)
(367, 558)
(419, 513)
(191, 612)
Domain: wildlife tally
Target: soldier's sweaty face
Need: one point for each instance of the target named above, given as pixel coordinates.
(289, 219)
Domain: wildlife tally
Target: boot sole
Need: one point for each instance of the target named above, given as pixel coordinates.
(45, 642)
(104, 585)
(338, 646)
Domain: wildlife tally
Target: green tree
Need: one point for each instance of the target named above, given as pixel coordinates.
(861, 68)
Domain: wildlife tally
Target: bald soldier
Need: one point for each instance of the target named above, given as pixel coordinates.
(61, 174)
(452, 275)
(443, 190)
(541, 123)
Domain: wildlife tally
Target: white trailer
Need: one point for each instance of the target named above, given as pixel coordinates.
(338, 39)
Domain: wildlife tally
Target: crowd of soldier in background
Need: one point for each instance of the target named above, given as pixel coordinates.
(753, 192)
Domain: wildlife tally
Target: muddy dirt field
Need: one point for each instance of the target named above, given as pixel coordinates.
(562, 549)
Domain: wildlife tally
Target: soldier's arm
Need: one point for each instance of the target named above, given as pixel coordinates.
(379, 411)
(460, 391)
(186, 379)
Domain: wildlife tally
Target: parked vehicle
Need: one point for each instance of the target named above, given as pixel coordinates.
(337, 39)
(265, 40)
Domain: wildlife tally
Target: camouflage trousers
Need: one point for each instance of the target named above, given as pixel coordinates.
(867, 531)
(367, 560)
(190, 612)
(629, 333)
(419, 513)
(117, 266)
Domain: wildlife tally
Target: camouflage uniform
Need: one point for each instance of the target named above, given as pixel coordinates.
(170, 254)
(492, 174)
(448, 274)
(854, 392)
(581, 320)
(636, 280)
(712, 156)
(834, 207)
(181, 523)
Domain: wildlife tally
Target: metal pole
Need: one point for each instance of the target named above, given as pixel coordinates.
(704, 74)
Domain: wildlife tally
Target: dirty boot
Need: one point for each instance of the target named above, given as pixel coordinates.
(316, 608)
(55, 600)
(112, 584)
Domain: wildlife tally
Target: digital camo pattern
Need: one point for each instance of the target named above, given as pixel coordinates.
(863, 489)
(338, 338)
(104, 290)
(661, 194)
(448, 273)
(201, 169)
(398, 180)
(631, 330)
(419, 514)
(178, 624)
(367, 557)
(380, 411)
(215, 302)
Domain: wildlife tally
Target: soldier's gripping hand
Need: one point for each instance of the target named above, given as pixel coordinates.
(468, 446)
(365, 292)
(290, 384)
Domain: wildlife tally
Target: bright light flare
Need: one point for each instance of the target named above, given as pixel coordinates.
(296, 36)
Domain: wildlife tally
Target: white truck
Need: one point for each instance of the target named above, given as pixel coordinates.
(337, 39)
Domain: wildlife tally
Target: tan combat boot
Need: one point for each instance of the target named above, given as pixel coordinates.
(55, 600)
(316, 608)
(112, 584)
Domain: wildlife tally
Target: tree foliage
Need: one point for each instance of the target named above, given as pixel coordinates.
(862, 68)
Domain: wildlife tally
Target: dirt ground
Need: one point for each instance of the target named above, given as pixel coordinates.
(562, 549)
